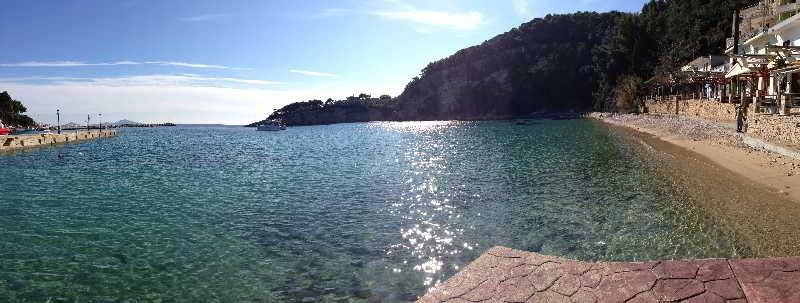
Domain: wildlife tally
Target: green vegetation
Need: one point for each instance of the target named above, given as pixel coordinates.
(11, 112)
(570, 62)
(627, 94)
(559, 63)
(359, 108)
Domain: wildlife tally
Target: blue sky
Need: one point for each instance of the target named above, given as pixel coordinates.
(233, 62)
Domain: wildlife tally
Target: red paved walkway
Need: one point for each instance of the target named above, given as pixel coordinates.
(508, 275)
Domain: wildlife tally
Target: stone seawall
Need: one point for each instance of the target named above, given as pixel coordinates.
(704, 109)
(784, 130)
(23, 142)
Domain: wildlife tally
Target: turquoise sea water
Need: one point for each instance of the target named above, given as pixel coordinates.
(371, 212)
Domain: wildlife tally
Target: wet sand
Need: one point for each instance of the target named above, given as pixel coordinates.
(753, 194)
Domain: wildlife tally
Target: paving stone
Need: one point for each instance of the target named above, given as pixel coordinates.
(623, 286)
(617, 267)
(537, 259)
(777, 287)
(645, 297)
(728, 289)
(487, 261)
(576, 268)
(676, 270)
(568, 285)
(519, 271)
(521, 294)
(591, 278)
(549, 297)
(755, 270)
(484, 291)
(467, 284)
(677, 289)
(790, 264)
(513, 263)
(545, 276)
(706, 297)
(583, 296)
(717, 269)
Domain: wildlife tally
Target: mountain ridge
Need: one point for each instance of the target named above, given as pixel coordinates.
(557, 63)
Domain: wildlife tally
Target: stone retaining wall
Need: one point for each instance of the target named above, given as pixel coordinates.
(704, 109)
(778, 129)
(21, 142)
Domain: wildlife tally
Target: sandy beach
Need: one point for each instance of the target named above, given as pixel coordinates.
(755, 194)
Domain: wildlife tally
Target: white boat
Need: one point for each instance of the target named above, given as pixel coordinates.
(271, 126)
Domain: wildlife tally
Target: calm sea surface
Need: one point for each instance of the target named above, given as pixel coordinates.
(372, 212)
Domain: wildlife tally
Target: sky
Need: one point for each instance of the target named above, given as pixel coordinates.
(235, 61)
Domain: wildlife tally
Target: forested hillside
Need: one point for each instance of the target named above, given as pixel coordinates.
(567, 62)
(572, 62)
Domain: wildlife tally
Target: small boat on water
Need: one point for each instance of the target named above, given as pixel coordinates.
(271, 126)
(4, 130)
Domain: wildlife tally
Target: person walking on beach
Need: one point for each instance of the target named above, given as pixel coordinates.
(739, 118)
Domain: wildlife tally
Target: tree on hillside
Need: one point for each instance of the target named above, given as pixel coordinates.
(11, 112)
(628, 93)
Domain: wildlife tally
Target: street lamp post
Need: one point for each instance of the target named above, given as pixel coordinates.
(88, 120)
(58, 117)
(101, 122)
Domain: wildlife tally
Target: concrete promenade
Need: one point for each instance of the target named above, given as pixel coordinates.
(24, 142)
(508, 275)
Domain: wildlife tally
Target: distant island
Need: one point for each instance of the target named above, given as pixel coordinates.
(577, 62)
(360, 108)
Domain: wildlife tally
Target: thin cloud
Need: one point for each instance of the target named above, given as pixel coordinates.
(193, 65)
(85, 64)
(312, 73)
(204, 18)
(146, 80)
(419, 19)
(48, 64)
(459, 21)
